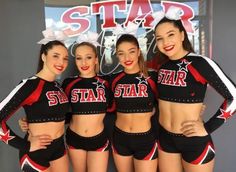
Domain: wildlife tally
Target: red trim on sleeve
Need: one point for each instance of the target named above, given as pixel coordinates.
(198, 77)
(67, 89)
(28, 101)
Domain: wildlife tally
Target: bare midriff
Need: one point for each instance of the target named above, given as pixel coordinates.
(134, 122)
(87, 125)
(172, 114)
(53, 129)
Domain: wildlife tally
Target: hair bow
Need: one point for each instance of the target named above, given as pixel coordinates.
(173, 13)
(90, 37)
(130, 29)
(50, 35)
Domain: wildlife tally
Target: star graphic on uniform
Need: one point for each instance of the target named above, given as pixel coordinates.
(142, 79)
(5, 137)
(224, 115)
(58, 86)
(184, 65)
(100, 84)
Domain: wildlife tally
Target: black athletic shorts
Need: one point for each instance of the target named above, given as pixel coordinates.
(194, 150)
(143, 146)
(39, 160)
(99, 142)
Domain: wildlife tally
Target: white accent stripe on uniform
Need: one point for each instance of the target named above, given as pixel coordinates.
(13, 92)
(153, 153)
(209, 148)
(224, 79)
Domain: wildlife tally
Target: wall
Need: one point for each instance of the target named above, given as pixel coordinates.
(21, 26)
(224, 38)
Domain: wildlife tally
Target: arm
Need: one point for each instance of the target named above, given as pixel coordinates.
(23, 124)
(111, 101)
(19, 96)
(212, 73)
(66, 87)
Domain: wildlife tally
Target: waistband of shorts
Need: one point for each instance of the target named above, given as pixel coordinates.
(133, 134)
(102, 133)
(61, 138)
(170, 133)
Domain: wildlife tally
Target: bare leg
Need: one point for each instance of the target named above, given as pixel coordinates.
(145, 165)
(59, 165)
(123, 163)
(208, 167)
(97, 161)
(78, 159)
(169, 162)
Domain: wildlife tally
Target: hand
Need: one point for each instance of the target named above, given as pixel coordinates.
(23, 124)
(193, 128)
(39, 142)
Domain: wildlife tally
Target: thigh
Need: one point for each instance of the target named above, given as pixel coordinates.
(207, 167)
(123, 163)
(60, 165)
(169, 162)
(145, 165)
(97, 161)
(78, 159)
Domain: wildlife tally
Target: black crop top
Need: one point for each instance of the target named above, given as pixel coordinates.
(43, 101)
(134, 93)
(87, 95)
(177, 84)
(185, 81)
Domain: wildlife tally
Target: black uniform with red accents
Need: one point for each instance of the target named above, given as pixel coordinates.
(43, 101)
(134, 93)
(87, 96)
(185, 81)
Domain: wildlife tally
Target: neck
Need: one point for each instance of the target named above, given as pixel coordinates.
(88, 76)
(46, 76)
(132, 71)
(180, 55)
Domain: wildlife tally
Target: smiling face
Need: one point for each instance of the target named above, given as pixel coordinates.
(128, 54)
(86, 61)
(169, 40)
(55, 60)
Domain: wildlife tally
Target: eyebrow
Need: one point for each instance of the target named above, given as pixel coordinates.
(128, 49)
(167, 32)
(78, 55)
(56, 53)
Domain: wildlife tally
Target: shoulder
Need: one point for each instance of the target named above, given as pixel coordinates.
(200, 61)
(69, 80)
(116, 75)
(106, 78)
(31, 81)
(152, 72)
(27, 85)
(197, 58)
